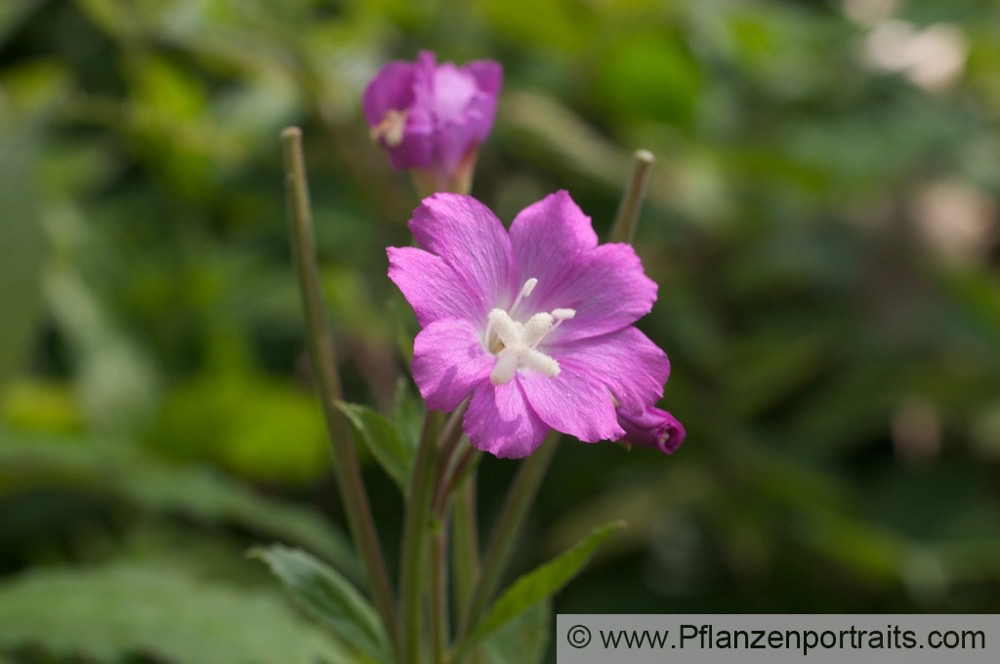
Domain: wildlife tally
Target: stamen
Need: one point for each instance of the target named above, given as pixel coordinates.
(562, 314)
(526, 289)
(391, 127)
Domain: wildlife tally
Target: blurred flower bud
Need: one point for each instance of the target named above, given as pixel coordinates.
(653, 428)
(431, 118)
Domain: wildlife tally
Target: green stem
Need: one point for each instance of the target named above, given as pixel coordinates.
(450, 482)
(439, 590)
(324, 363)
(519, 500)
(623, 229)
(414, 531)
(465, 543)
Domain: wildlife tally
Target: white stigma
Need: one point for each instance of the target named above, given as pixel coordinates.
(516, 343)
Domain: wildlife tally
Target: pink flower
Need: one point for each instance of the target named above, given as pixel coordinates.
(432, 117)
(653, 428)
(535, 325)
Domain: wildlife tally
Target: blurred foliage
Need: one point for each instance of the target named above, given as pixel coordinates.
(822, 221)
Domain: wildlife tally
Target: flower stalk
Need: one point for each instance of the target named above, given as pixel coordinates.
(465, 544)
(627, 218)
(324, 363)
(414, 531)
(516, 505)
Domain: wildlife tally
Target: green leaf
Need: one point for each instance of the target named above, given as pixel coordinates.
(522, 640)
(207, 496)
(110, 613)
(326, 595)
(542, 582)
(381, 436)
(22, 248)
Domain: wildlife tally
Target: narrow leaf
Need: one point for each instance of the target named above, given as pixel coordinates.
(383, 439)
(326, 595)
(543, 581)
(522, 640)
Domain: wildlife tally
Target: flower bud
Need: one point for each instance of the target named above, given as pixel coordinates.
(652, 428)
(431, 118)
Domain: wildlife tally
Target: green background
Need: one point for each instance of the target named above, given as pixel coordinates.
(822, 222)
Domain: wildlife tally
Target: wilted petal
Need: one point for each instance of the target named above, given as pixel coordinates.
(500, 421)
(449, 361)
(573, 404)
(467, 235)
(626, 362)
(431, 286)
(652, 428)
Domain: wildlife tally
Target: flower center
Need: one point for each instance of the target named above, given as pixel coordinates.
(516, 344)
(390, 128)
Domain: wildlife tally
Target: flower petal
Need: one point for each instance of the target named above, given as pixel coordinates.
(390, 90)
(449, 361)
(554, 242)
(464, 120)
(500, 421)
(430, 285)
(573, 404)
(548, 238)
(608, 290)
(488, 75)
(469, 237)
(453, 90)
(626, 362)
(394, 89)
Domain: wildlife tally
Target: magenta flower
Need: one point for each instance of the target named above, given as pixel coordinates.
(432, 117)
(653, 428)
(535, 325)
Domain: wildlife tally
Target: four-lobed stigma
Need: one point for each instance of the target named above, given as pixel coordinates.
(515, 344)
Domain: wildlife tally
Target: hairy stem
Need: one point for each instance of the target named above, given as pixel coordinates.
(439, 590)
(465, 543)
(623, 229)
(516, 505)
(414, 532)
(324, 363)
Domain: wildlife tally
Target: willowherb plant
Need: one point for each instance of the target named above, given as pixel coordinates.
(526, 334)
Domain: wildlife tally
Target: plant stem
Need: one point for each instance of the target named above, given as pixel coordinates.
(623, 229)
(465, 543)
(449, 483)
(519, 500)
(439, 589)
(324, 363)
(414, 530)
